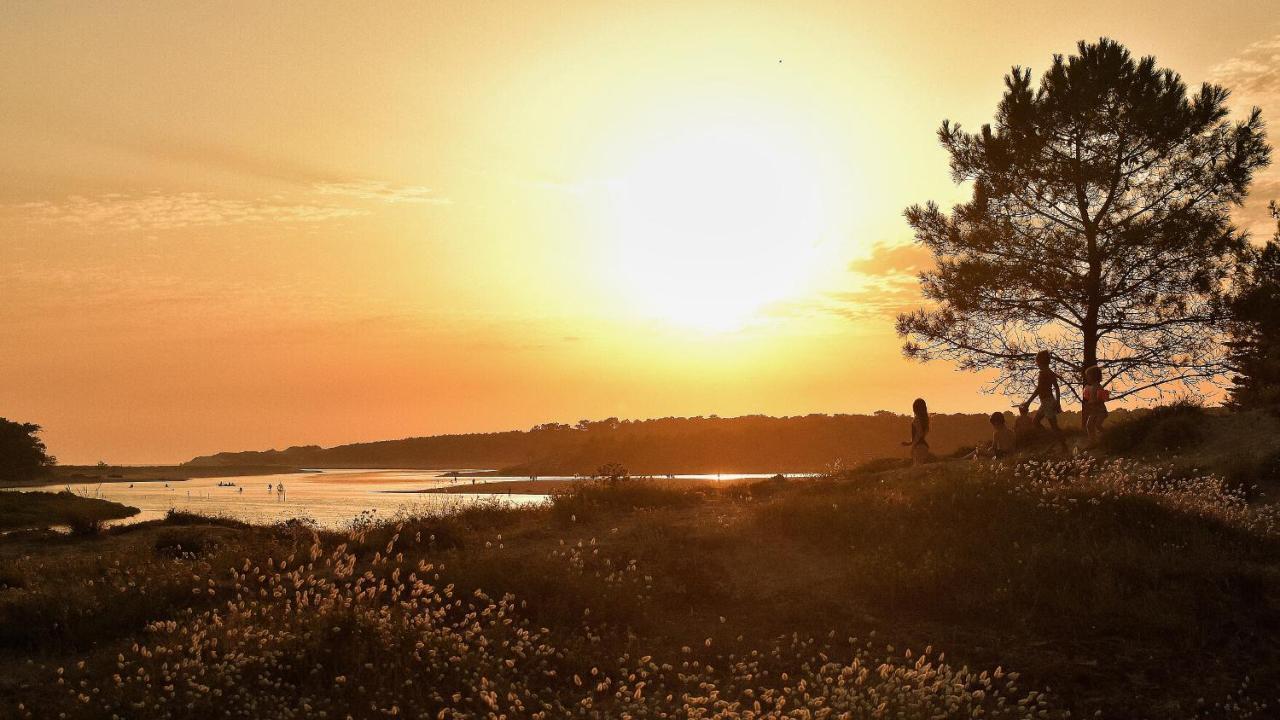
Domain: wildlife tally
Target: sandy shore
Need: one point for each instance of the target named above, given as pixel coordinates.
(544, 487)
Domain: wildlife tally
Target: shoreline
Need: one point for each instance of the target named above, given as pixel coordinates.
(551, 486)
(93, 474)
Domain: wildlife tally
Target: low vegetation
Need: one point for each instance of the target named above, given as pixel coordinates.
(1242, 447)
(1033, 589)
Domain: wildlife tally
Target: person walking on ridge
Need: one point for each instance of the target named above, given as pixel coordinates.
(919, 433)
(1049, 391)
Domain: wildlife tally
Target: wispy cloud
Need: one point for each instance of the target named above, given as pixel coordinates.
(881, 286)
(377, 190)
(159, 210)
(885, 283)
(1253, 75)
(890, 259)
(164, 211)
(880, 298)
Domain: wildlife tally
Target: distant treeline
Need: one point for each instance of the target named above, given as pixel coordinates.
(753, 443)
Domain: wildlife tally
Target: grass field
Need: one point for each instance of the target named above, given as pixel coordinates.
(954, 590)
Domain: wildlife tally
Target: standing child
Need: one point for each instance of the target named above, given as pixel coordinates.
(1049, 392)
(919, 433)
(1094, 403)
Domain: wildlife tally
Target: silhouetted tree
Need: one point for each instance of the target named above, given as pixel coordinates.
(1098, 227)
(22, 453)
(1255, 344)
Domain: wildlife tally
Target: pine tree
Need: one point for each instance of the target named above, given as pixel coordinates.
(22, 453)
(1255, 344)
(1099, 228)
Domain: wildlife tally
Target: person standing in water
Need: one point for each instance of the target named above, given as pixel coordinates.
(1049, 391)
(919, 433)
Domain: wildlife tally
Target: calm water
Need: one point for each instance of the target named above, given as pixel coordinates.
(330, 497)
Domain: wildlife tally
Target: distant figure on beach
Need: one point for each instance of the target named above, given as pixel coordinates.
(919, 433)
(1003, 440)
(240, 490)
(1093, 405)
(280, 491)
(1049, 391)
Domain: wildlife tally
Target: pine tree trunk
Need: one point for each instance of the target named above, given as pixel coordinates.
(1093, 298)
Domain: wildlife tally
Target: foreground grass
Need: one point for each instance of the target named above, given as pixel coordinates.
(36, 510)
(1110, 587)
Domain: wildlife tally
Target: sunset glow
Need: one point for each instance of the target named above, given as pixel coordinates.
(665, 359)
(259, 225)
(716, 220)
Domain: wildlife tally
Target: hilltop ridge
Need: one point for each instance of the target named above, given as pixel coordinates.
(751, 443)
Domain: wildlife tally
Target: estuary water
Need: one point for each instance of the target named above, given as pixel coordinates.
(332, 498)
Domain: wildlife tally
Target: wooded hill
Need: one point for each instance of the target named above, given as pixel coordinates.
(753, 443)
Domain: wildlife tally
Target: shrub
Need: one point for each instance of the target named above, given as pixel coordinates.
(84, 524)
(761, 489)
(1170, 428)
(594, 496)
(183, 517)
(612, 471)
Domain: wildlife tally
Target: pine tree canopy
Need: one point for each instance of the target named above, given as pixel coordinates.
(1099, 228)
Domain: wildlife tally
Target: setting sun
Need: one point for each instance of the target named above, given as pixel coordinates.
(714, 221)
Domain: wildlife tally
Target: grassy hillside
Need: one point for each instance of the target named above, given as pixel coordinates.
(1242, 447)
(955, 590)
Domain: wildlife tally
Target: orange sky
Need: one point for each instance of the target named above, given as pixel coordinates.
(244, 225)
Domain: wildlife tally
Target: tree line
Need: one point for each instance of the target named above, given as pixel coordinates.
(754, 443)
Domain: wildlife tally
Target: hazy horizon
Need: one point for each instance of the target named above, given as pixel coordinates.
(241, 227)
